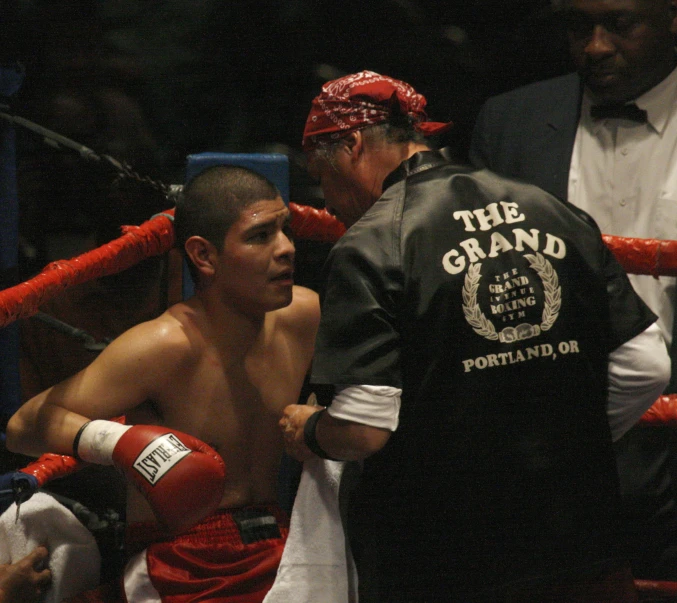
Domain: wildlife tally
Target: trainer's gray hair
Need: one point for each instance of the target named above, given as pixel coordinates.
(387, 132)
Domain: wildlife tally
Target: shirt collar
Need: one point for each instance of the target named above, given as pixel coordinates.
(659, 103)
(418, 162)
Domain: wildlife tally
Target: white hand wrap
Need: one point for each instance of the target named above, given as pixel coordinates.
(98, 439)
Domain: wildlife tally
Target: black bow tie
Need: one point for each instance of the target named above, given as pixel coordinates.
(631, 112)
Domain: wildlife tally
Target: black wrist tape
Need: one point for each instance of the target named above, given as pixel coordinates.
(76, 440)
(309, 436)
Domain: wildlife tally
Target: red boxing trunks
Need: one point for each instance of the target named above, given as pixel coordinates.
(230, 557)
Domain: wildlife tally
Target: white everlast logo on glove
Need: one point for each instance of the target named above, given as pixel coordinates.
(159, 457)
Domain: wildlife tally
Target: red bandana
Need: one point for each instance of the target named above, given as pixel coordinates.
(364, 99)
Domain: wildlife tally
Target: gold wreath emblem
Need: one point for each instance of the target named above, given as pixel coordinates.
(484, 327)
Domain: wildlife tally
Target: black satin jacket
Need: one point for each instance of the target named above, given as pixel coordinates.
(493, 306)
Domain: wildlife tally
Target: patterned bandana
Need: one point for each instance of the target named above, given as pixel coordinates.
(364, 99)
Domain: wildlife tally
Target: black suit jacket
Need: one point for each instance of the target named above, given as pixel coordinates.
(529, 133)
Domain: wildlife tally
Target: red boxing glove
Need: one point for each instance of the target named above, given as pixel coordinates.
(181, 477)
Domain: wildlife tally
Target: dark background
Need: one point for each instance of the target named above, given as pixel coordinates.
(150, 82)
(239, 74)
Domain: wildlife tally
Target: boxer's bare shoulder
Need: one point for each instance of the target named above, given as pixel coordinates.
(304, 308)
(300, 319)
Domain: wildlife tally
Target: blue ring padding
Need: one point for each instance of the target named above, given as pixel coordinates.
(11, 78)
(273, 166)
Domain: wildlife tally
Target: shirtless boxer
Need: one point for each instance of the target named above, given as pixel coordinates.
(220, 367)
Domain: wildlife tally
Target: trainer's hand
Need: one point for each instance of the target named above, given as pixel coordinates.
(26, 580)
(292, 423)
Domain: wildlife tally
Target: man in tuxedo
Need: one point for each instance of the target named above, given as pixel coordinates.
(603, 139)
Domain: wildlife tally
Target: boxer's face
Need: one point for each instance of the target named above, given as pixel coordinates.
(621, 48)
(256, 263)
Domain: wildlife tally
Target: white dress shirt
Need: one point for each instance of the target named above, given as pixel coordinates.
(624, 174)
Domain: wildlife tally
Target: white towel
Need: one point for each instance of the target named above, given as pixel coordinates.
(74, 557)
(316, 563)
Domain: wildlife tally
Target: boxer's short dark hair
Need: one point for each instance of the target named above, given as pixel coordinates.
(212, 201)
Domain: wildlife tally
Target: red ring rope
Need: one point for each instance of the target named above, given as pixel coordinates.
(644, 256)
(151, 238)
(156, 236)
